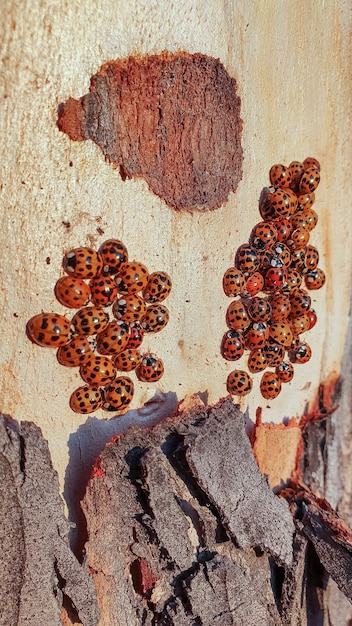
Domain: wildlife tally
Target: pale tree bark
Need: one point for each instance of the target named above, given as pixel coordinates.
(292, 67)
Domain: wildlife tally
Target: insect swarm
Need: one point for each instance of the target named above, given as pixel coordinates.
(271, 309)
(117, 302)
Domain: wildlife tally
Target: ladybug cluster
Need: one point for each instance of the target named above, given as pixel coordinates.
(270, 281)
(100, 344)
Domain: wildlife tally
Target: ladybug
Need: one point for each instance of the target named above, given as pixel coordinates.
(132, 277)
(305, 201)
(237, 317)
(257, 361)
(90, 320)
(262, 234)
(300, 301)
(155, 318)
(114, 338)
(256, 336)
(150, 369)
(298, 220)
(49, 330)
(76, 351)
(284, 228)
(301, 353)
(98, 370)
(275, 278)
(283, 202)
(281, 333)
(270, 385)
(239, 383)
(300, 324)
(266, 211)
(311, 162)
(285, 371)
(86, 399)
(258, 309)
(280, 307)
(296, 168)
(281, 252)
(299, 238)
(315, 279)
(233, 282)
(158, 287)
(72, 292)
(311, 218)
(298, 260)
(254, 284)
(136, 335)
(103, 289)
(274, 353)
(127, 360)
(310, 180)
(312, 318)
(118, 394)
(129, 308)
(83, 263)
(311, 258)
(247, 259)
(232, 346)
(280, 176)
(113, 252)
(293, 280)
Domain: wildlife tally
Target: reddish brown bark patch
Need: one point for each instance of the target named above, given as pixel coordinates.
(172, 119)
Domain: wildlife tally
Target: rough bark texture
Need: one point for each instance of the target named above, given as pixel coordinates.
(40, 574)
(175, 534)
(173, 119)
(183, 530)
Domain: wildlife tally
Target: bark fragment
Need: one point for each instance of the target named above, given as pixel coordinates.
(176, 530)
(40, 573)
(172, 119)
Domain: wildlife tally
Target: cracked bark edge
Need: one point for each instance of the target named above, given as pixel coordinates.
(171, 537)
(40, 573)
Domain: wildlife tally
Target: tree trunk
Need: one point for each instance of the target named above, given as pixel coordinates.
(292, 69)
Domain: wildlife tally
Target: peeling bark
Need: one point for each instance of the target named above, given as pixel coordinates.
(172, 119)
(40, 572)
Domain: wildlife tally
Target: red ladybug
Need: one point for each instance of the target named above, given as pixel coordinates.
(90, 320)
(113, 252)
(150, 369)
(233, 282)
(86, 399)
(83, 263)
(285, 371)
(98, 370)
(270, 385)
(315, 279)
(280, 176)
(257, 361)
(114, 338)
(256, 336)
(132, 277)
(129, 308)
(118, 394)
(76, 351)
(103, 289)
(237, 316)
(158, 287)
(155, 318)
(72, 292)
(239, 383)
(232, 346)
(49, 330)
